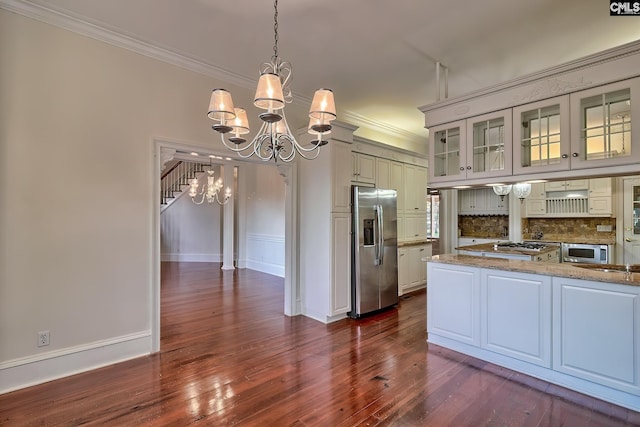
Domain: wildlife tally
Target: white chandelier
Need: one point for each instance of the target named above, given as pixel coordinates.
(521, 190)
(274, 139)
(209, 191)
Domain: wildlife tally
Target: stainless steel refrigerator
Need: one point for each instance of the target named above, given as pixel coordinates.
(374, 250)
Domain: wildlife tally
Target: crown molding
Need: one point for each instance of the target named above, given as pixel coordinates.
(98, 31)
(627, 49)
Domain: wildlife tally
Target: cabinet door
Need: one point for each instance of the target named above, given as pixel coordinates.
(341, 177)
(594, 325)
(364, 168)
(489, 145)
(447, 152)
(415, 228)
(555, 186)
(403, 270)
(517, 318)
(416, 266)
(536, 207)
(541, 136)
(415, 199)
(453, 302)
(383, 170)
(340, 264)
(600, 206)
(577, 184)
(601, 125)
(600, 187)
(396, 182)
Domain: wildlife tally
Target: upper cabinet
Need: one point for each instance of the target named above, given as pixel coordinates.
(364, 168)
(415, 186)
(575, 120)
(478, 147)
(601, 120)
(541, 136)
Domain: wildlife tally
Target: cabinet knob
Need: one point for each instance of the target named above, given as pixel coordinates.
(461, 168)
(421, 250)
(574, 154)
(468, 168)
(564, 156)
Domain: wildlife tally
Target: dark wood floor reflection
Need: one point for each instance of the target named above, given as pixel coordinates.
(230, 357)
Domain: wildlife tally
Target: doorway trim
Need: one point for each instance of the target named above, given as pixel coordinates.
(291, 283)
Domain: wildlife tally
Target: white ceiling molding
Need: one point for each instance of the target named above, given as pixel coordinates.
(98, 31)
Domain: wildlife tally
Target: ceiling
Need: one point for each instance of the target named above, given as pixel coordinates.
(378, 56)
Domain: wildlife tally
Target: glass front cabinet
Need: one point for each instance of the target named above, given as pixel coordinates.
(601, 120)
(541, 136)
(478, 147)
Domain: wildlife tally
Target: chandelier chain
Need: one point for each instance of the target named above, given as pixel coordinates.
(275, 29)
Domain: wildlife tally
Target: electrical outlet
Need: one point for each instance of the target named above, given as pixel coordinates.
(604, 228)
(43, 338)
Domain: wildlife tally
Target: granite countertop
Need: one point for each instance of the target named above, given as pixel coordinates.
(490, 247)
(585, 272)
(584, 240)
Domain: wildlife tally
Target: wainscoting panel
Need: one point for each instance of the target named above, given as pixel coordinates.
(265, 253)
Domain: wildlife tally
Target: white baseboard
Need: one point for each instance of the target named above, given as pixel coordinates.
(28, 371)
(264, 267)
(180, 257)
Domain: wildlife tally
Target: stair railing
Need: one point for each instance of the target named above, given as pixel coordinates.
(176, 178)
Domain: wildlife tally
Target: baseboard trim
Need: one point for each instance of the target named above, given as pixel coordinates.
(180, 257)
(265, 267)
(32, 370)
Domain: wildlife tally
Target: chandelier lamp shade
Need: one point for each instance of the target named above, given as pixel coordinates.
(209, 191)
(521, 190)
(274, 139)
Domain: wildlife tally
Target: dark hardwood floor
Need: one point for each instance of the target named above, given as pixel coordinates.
(230, 357)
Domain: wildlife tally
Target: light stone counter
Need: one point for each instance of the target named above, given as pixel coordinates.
(549, 269)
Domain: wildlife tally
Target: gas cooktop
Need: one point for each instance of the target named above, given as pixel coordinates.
(522, 246)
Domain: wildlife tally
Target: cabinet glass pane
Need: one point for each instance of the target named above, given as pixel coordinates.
(606, 125)
(540, 136)
(447, 152)
(488, 145)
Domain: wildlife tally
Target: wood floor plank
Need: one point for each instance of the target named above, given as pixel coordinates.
(229, 357)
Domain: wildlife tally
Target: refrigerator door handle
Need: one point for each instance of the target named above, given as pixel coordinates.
(381, 234)
(376, 238)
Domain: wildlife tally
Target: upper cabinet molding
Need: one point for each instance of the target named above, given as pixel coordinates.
(612, 65)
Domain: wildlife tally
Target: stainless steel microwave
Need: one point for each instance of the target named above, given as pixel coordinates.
(586, 253)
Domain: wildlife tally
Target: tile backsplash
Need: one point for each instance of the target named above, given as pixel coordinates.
(563, 229)
(484, 226)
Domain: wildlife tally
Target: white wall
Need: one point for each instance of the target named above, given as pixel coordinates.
(265, 209)
(190, 232)
(77, 123)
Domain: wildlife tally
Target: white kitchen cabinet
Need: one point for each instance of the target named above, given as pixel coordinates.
(447, 152)
(468, 241)
(415, 186)
(340, 263)
(341, 178)
(363, 168)
(580, 334)
(572, 198)
(600, 187)
(489, 145)
(517, 317)
(478, 147)
(415, 228)
(596, 332)
(602, 119)
(453, 302)
(574, 184)
(390, 175)
(541, 137)
(412, 271)
(536, 203)
(481, 201)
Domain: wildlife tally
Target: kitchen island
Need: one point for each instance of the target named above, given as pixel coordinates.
(575, 326)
